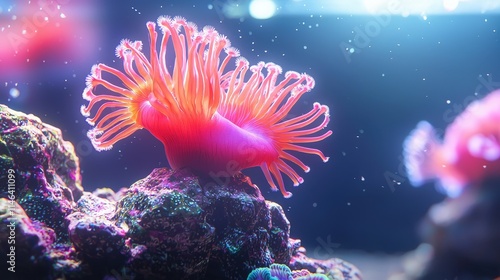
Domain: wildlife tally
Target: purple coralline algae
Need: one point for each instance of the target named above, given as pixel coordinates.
(93, 234)
(334, 268)
(169, 225)
(24, 242)
(45, 167)
(186, 227)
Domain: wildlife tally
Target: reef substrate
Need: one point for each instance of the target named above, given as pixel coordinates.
(169, 225)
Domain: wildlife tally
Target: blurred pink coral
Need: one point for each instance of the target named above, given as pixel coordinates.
(469, 152)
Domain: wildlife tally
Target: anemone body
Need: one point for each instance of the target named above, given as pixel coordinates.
(210, 119)
(215, 147)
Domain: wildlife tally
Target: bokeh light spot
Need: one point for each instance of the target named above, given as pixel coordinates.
(14, 92)
(262, 9)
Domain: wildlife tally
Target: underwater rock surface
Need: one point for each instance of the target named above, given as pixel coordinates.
(169, 225)
(461, 237)
(43, 167)
(179, 227)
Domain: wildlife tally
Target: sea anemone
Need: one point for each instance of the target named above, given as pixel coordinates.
(468, 154)
(210, 119)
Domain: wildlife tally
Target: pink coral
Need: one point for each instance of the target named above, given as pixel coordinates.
(469, 152)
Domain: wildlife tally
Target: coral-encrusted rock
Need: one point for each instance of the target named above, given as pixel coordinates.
(180, 229)
(334, 268)
(47, 174)
(24, 243)
(168, 234)
(302, 267)
(281, 244)
(169, 225)
(93, 234)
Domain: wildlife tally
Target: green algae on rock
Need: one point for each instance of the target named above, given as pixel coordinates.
(46, 168)
(169, 225)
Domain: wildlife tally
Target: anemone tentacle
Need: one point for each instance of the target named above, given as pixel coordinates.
(207, 115)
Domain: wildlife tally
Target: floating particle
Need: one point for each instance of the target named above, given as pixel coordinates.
(14, 92)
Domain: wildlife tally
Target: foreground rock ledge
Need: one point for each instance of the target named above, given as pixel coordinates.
(172, 225)
(169, 225)
(45, 169)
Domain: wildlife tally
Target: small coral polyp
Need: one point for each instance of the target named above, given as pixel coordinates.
(210, 118)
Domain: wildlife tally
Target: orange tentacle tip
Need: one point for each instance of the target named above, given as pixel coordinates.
(210, 117)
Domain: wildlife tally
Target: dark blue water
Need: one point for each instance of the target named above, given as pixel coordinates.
(407, 70)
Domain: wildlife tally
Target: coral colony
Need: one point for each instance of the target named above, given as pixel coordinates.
(211, 118)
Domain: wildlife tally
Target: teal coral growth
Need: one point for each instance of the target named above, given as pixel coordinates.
(315, 276)
(274, 272)
(283, 272)
(261, 273)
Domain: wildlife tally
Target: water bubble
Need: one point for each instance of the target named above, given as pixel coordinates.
(14, 92)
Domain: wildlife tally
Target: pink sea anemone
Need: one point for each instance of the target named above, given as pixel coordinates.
(468, 154)
(210, 119)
